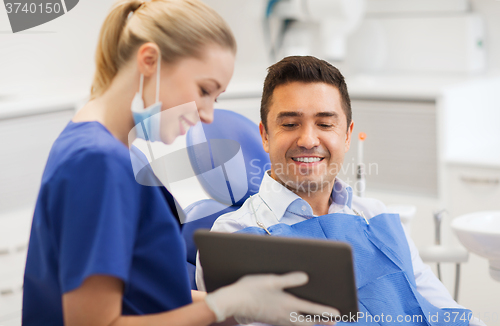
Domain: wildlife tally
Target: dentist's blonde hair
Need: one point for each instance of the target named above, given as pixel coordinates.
(180, 28)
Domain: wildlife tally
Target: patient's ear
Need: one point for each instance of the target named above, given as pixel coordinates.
(263, 134)
(348, 138)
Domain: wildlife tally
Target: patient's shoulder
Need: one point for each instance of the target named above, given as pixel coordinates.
(369, 206)
(238, 219)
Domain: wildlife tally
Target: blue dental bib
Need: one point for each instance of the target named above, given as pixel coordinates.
(387, 292)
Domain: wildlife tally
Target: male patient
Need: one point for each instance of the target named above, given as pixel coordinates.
(306, 128)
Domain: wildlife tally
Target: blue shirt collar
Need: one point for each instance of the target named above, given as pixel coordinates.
(280, 199)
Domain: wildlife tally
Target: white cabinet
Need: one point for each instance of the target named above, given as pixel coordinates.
(468, 189)
(472, 188)
(400, 150)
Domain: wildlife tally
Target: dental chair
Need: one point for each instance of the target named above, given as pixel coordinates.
(229, 162)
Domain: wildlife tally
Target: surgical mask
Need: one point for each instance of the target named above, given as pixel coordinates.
(148, 118)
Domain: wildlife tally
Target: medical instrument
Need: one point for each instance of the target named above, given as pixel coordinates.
(274, 214)
(438, 218)
(360, 171)
(361, 214)
(259, 223)
(439, 253)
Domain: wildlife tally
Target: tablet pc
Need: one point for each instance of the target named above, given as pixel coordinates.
(226, 257)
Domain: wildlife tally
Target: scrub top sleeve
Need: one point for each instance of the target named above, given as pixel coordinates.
(96, 204)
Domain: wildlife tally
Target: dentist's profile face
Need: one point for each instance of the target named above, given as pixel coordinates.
(193, 81)
(307, 135)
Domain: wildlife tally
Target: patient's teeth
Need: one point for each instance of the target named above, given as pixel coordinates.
(307, 159)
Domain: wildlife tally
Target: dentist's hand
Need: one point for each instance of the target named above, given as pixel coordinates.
(260, 298)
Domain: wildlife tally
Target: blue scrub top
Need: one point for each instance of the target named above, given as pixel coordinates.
(93, 218)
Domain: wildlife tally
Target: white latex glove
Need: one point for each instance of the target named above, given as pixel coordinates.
(260, 298)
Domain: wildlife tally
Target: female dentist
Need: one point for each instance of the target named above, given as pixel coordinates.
(105, 250)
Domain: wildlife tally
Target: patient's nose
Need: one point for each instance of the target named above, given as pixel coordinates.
(308, 138)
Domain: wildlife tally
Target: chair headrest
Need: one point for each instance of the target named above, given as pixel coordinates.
(227, 157)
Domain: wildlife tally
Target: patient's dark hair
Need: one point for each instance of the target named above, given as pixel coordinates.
(305, 69)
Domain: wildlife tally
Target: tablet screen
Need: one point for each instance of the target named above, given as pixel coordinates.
(226, 257)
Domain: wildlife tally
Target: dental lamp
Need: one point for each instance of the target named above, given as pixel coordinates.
(336, 18)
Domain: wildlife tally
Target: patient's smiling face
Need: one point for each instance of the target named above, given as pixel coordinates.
(307, 136)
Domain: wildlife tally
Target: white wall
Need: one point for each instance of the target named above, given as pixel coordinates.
(245, 19)
(59, 54)
(54, 57)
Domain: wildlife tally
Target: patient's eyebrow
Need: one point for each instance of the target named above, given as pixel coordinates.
(286, 114)
(327, 114)
(324, 114)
